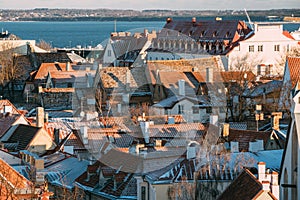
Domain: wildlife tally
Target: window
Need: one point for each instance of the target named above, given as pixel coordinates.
(180, 109)
(260, 48)
(109, 53)
(277, 47)
(70, 85)
(208, 110)
(251, 48)
(195, 110)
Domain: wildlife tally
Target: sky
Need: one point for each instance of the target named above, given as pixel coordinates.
(152, 4)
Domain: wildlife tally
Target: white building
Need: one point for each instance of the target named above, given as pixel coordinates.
(290, 179)
(265, 49)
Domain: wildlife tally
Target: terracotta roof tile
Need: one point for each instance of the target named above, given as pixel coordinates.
(49, 67)
(294, 69)
(6, 102)
(15, 178)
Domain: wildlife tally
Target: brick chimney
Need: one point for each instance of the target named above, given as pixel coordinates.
(225, 130)
(40, 116)
(276, 116)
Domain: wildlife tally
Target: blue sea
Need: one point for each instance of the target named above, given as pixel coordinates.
(71, 34)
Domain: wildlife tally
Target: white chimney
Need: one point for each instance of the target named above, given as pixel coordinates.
(181, 86)
(84, 134)
(261, 171)
(40, 116)
(274, 185)
(266, 186)
(119, 109)
(68, 67)
(234, 146)
(145, 130)
(213, 119)
(209, 75)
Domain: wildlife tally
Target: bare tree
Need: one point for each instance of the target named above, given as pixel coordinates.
(10, 69)
(183, 190)
(44, 45)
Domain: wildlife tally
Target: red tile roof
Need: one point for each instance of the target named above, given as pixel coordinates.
(6, 102)
(294, 69)
(15, 179)
(192, 65)
(50, 67)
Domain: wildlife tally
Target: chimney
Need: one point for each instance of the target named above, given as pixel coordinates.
(68, 67)
(119, 109)
(274, 185)
(276, 116)
(56, 136)
(261, 171)
(84, 134)
(234, 146)
(181, 86)
(40, 116)
(213, 119)
(145, 130)
(225, 130)
(209, 75)
(39, 164)
(265, 186)
(194, 20)
(128, 80)
(145, 32)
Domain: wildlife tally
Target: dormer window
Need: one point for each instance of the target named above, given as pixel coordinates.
(227, 34)
(215, 34)
(202, 33)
